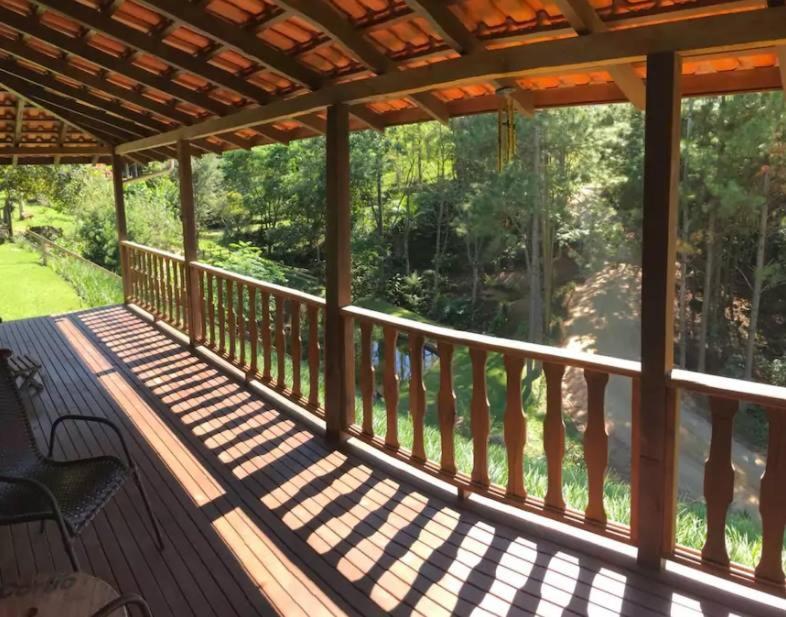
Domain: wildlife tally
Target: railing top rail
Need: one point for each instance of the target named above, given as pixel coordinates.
(150, 249)
(543, 353)
(70, 253)
(730, 388)
(279, 290)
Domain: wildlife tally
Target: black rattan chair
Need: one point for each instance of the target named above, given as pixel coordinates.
(34, 487)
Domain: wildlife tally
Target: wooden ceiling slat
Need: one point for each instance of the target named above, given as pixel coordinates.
(235, 38)
(584, 20)
(81, 94)
(81, 47)
(149, 44)
(720, 32)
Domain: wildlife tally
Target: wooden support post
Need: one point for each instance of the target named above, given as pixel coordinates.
(190, 242)
(121, 223)
(659, 406)
(339, 357)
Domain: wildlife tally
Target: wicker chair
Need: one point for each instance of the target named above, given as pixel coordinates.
(34, 487)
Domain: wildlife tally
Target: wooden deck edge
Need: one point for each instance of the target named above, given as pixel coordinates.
(737, 597)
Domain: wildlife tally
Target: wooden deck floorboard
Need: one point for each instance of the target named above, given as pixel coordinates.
(261, 516)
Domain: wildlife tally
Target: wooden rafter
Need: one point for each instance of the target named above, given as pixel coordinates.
(81, 94)
(153, 45)
(338, 28)
(55, 151)
(235, 38)
(30, 26)
(726, 31)
(61, 139)
(20, 116)
(584, 20)
(456, 35)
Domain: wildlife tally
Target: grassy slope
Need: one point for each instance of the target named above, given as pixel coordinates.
(28, 289)
(43, 215)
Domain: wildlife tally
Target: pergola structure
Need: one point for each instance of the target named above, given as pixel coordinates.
(154, 79)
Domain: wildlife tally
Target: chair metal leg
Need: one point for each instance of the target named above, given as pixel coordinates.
(148, 507)
(68, 543)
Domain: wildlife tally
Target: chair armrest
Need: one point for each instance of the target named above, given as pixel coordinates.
(130, 599)
(95, 420)
(37, 486)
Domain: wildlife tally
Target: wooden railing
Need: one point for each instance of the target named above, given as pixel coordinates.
(271, 332)
(274, 334)
(374, 326)
(726, 399)
(157, 283)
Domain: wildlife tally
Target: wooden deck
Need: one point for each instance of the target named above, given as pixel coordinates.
(261, 516)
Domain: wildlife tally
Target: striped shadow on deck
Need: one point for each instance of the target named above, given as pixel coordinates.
(260, 515)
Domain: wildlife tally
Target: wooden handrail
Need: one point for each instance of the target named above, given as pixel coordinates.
(39, 238)
(151, 250)
(544, 353)
(728, 388)
(277, 290)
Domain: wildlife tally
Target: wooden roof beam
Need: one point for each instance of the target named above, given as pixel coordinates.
(61, 139)
(456, 35)
(61, 67)
(584, 20)
(100, 22)
(57, 151)
(82, 48)
(20, 116)
(239, 40)
(332, 23)
(80, 94)
(751, 29)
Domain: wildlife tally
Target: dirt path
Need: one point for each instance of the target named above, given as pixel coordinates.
(604, 319)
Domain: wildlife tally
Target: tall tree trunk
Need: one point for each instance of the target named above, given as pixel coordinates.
(378, 213)
(535, 283)
(684, 235)
(706, 292)
(438, 245)
(407, 224)
(758, 279)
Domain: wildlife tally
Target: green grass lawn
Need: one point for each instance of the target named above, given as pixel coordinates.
(28, 289)
(44, 215)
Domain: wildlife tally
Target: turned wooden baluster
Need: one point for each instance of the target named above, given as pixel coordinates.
(367, 377)
(313, 356)
(596, 445)
(211, 310)
(231, 321)
(515, 427)
(148, 279)
(390, 386)
(203, 300)
(479, 418)
(554, 435)
(253, 335)
(417, 396)
(169, 295)
(160, 303)
(241, 325)
(772, 502)
(281, 376)
(266, 351)
(635, 450)
(295, 342)
(156, 287)
(719, 479)
(182, 268)
(221, 316)
(446, 408)
(175, 310)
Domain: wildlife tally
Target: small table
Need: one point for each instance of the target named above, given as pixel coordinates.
(57, 595)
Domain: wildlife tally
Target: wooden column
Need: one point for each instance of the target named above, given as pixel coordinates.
(659, 405)
(339, 360)
(190, 241)
(121, 223)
